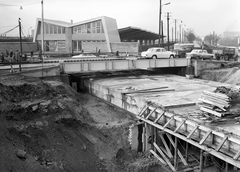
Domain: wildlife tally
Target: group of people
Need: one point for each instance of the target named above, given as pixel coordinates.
(10, 55)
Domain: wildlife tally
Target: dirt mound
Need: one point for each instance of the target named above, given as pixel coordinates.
(47, 126)
(226, 75)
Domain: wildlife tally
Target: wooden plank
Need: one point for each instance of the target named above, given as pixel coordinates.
(222, 142)
(158, 157)
(201, 161)
(178, 152)
(166, 147)
(180, 105)
(211, 103)
(205, 137)
(211, 112)
(183, 122)
(190, 134)
(149, 89)
(168, 122)
(237, 155)
(219, 95)
(159, 116)
(164, 157)
(151, 113)
(142, 111)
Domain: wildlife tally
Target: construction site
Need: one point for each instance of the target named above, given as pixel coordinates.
(125, 120)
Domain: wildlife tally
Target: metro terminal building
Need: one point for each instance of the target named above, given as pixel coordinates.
(93, 35)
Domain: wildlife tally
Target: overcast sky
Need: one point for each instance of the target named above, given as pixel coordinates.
(203, 16)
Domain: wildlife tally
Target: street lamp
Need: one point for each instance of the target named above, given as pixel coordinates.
(20, 35)
(160, 13)
(12, 5)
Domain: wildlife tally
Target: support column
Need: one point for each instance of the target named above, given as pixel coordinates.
(176, 153)
(201, 161)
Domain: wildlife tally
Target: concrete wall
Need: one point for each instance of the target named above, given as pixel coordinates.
(199, 66)
(94, 46)
(131, 47)
(27, 47)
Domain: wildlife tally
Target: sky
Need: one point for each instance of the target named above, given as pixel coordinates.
(203, 16)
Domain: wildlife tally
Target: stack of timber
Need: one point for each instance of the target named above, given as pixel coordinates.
(214, 103)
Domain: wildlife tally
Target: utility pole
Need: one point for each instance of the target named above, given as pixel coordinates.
(175, 30)
(20, 35)
(162, 36)
(160, 12)
(180, 40)
(168, 29)
(172, 34)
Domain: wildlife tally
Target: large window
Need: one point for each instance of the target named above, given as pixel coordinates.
(77, 46)
(92, 27)
(53, 29)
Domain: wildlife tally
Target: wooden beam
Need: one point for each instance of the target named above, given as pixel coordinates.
(159, 116)
(164, 157)
(222, 142)
(178, 152)
(158, 157)
(190, 134)
(142, 111)
(179, 126)
(205, 137)
(166, 147)
(151, 113)
(201, 161)
(237, 155)
(211, 111)
(168, 122)
(186, 152)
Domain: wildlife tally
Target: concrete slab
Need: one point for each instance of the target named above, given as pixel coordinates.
(181, 97)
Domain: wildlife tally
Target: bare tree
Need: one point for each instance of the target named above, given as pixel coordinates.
(190, 35)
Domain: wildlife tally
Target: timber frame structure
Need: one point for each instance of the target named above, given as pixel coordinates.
(224, 146)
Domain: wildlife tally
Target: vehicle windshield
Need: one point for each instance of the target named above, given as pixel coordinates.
(150, 50)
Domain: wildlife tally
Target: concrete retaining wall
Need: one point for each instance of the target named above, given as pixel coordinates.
(199, 66)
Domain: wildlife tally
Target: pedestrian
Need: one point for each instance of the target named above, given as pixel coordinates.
(31, 53)
(7, 53)
(17, 56)
(11, 53)
(2, 57)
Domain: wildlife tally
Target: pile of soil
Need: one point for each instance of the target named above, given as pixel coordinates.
(48, 126)
(225, 75)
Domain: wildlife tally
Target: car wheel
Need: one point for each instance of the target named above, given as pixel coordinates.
(171, 56)
(211, 58)
(197, 58)
(154, 57)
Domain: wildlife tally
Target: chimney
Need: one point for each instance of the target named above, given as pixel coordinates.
(71, 21)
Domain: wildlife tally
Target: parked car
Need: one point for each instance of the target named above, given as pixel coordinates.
(199, 54)
(157, 52)
(84, 55)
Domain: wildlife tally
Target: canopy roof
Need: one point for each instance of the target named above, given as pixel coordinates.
(133, 33)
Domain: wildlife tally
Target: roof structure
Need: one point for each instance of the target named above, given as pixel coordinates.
(134, 33)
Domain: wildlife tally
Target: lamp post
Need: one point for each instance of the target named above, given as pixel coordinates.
(20, 35)
(28, 31)
(160, 13)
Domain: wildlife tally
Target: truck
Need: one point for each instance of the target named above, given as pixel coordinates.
(180, 50)
(226, 53)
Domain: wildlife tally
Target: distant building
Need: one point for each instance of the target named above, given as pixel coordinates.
(95, 34)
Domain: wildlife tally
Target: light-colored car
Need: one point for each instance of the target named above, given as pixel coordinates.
(157, 52)
(84, 55)
(199, 54)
